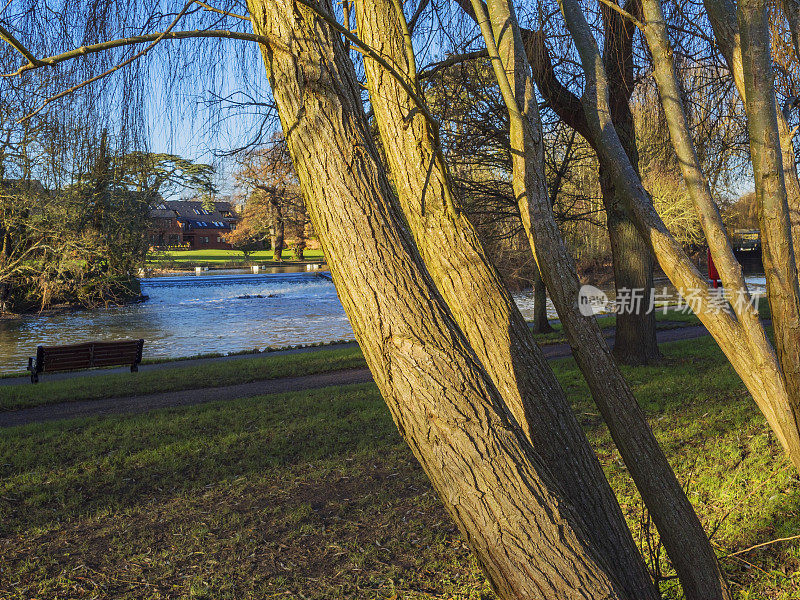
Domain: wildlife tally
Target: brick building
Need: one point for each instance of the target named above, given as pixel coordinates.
(188, 224)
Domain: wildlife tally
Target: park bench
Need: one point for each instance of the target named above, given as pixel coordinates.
(88, 355)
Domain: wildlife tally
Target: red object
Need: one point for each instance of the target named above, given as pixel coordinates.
(712, 270)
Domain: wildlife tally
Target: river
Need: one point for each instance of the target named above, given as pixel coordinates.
(186, 315)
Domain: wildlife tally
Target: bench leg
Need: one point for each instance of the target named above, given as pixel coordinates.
(134, 368)
(34, 377)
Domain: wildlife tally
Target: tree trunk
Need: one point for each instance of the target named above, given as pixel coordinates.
(529, 540)
(541, 324)
(479, 302)
(277, 230)
(302, 239)
(635, 337)
(681, 532)
(777, 248)
(635, 333)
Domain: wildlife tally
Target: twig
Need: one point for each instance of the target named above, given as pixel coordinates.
(210, 8)
(762, 544)
(624, 13)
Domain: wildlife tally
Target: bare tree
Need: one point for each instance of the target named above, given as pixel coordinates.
(268, 175)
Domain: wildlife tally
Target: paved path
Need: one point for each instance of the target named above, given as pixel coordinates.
(139, 404)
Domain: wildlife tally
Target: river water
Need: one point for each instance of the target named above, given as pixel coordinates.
(186, 315)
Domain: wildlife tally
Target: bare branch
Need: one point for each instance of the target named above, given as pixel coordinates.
(761, 545)
(210, 8)
(141, 39)
(6, 36)
(431, 70)
(625, 14)
(415, 17)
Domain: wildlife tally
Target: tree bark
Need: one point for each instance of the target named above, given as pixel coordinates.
(755, 364)
(777, 247)
(529, 540)
(635, 332)
(635, 340)
(681, 532)
(278, 229)
(541, 323)
(478, 300)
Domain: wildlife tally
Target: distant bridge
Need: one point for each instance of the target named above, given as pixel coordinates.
(747, 248)
(746, 240)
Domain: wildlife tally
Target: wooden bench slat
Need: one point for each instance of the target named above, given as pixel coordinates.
(85, 355)
(114, 360)
(52, 362)
(114, 352)
(68, 348)
(80, 352)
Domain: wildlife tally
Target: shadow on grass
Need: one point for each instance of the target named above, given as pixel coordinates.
(315, 494)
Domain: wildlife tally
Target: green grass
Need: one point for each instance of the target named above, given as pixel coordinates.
(216, 257)
(671, 319)
(315, 495)
(168, 379)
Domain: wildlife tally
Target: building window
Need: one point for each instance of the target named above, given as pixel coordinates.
(219, 239)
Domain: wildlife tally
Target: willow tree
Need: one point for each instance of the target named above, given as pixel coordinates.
(471, 287)
(496, 486)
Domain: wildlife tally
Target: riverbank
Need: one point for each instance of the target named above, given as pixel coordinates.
(181, 260)
(671, 319)
(314, 494)
(66, 308)
(192, 314)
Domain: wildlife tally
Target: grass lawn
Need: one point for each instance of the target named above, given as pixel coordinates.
(211, 374)
(216, 257)
(315, 495)
(671, 319)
